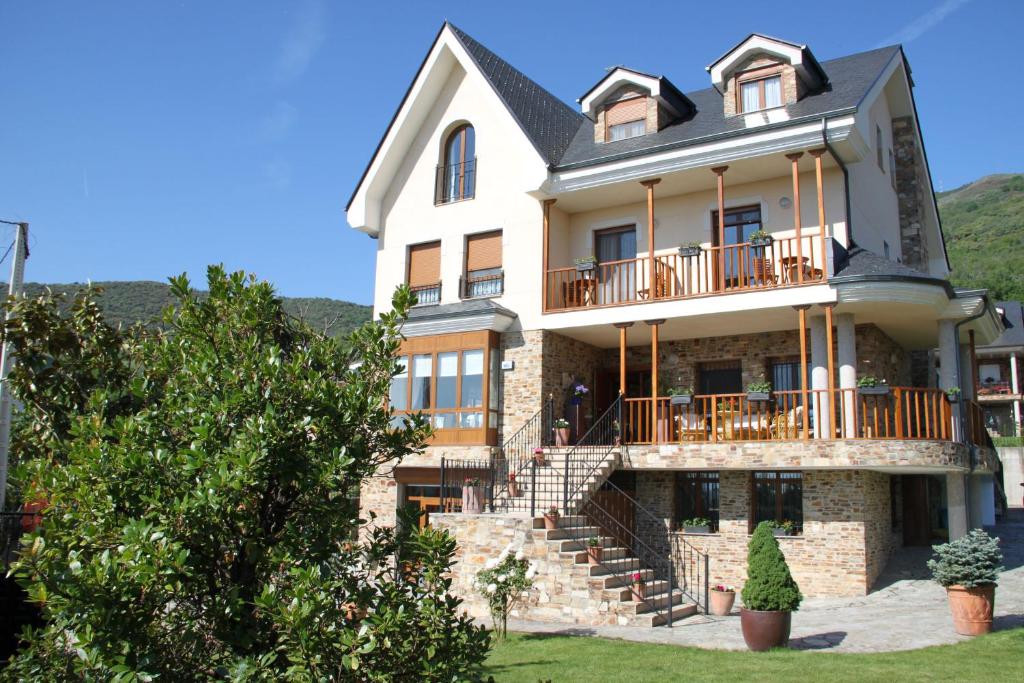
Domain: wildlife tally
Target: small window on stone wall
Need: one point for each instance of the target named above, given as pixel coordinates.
(777, 497)
(696, 496)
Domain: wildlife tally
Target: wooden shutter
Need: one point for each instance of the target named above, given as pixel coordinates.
(424, 264)
(483, 251)
(625, 111)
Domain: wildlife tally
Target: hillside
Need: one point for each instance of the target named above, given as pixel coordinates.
(984, 226)
(143, 301)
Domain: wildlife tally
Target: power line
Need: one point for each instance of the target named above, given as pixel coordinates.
(6, 253)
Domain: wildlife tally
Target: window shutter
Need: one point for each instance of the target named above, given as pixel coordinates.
(483, 251)
(425, 264)
(633, 109)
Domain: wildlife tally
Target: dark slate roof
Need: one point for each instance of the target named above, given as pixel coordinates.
(850, 79)
(1013, 321)
(861, 263)
(460, 308)
(548, 121)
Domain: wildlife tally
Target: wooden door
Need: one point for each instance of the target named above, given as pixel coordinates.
(916, 523)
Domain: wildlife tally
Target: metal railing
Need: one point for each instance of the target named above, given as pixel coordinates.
(455, 182)
(471, 287)
(456, 478)
(427, 294)
(590, 452)
(516, 458)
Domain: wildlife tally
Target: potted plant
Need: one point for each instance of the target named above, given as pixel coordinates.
(593, 550)
(770, 594)
(953, 394)
(34, 514)
(353, 612)
(722, 599)
(472, 496)
(784, 528)
(561, 432)
(513, 486)
(869, 385)
(969, 568)
(680, 397)
(760, 390)
(551, 518)
(538, 452)
(579, 392)
(585, 264)
(617, 432)
(760, 238)
(696, 525)
(690, 249)
(639, 587)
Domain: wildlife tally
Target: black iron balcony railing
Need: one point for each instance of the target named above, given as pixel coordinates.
(427, 294)
(455, 182)
(481, 286)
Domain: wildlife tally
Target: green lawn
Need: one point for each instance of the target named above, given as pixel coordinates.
(532, 658)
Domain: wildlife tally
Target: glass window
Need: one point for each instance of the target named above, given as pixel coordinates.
(472, 379)
(459, 170)
(763, 93)
(616, 244)
(422, 369)
(398, 397)
(484, 282)
(778, 496)
(697, 496)
(447, 385)
(623, 131)
(492, 392)
(751, 96)
(773, 92)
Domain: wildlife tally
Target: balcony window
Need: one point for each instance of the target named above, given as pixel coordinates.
(777, 497)
(761, 93)
(484, 276)
(697, 496)
(424, 272)
(456, 175)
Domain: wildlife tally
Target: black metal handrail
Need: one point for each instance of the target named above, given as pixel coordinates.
(517, 452)
(12, 526)
(482, 286)
(427, 294)
(454, 182)
(591, 451)
(455, 476)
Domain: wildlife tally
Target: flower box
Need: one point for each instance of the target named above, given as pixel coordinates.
(681, 399)
(758, 396)
(781, 532)
(697, 529)
(585, 265)
(880, 390)
(761, 241)
(690, 251)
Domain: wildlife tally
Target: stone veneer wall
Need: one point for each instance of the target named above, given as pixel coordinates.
(910, 192)
(835, 555)
(522, 389)
(566, 361)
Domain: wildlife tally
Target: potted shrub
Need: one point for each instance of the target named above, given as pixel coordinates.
(472, 496)
(770, 594)
(594, 550)
(538, 452)
(680, 397)
(34, 514)
(585, 264)
(784, 528)
(760, 390)
(760, 239)
(617, 432)
(969, 568)
(353, 612)
(696, 525)
(869, 385)
(690, 249)
(639, 587)
(513, 486)
(722, 598)
(561, 432)
(579, 392)
(551, 518)
(953, 394)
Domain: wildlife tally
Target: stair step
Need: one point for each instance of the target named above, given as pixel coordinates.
(581, 556)
(656, 602)
(625, 593)
(621, 580)
(578, 532)
(627, 564)
(574, 544)
(679, 612)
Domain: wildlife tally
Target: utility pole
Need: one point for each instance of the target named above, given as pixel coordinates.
(17, 278)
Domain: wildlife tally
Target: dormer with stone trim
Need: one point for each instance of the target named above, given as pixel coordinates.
(628, 103)
(762, 73)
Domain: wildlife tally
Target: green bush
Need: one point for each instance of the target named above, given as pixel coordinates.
(199, 479)
(769, 587)
(973, 560)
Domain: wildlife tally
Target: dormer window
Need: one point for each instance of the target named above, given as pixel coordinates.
(760, 93)
(626, 119)
(627, 104)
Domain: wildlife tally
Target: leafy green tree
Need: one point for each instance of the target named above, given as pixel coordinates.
(199, 525)
(769, 587)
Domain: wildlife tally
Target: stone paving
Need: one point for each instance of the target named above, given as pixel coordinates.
(905, 611)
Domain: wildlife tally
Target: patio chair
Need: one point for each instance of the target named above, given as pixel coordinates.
(691, 428)
(789, 425)
(764, 272)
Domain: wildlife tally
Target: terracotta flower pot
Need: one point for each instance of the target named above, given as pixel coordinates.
(764, 630)
(353, 612)
(550, 521)
(562, 436)
(972, 608)
(538, 458)
(722, 602)
(472, 500)
(594, 555)
(30, 523)
(639, 592)
(513, 489)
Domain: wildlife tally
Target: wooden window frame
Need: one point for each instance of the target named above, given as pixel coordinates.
(484, 340)
(752, 522)
(608, 125)
(442, 196)
(695, 479)
(759, 75)
(614, 230)
(467, 280)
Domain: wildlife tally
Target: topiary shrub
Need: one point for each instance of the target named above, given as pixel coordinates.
(769, 587)
(973, 560)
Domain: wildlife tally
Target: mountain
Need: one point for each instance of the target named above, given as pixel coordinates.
(984, 226)
(143, 301)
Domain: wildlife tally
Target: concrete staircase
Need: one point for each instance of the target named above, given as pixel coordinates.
(609, 596)
(548, 485)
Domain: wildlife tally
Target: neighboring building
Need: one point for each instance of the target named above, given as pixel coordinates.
(998, 374)
(620, 246)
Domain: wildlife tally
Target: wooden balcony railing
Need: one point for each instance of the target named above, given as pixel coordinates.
(975, 419)
(903, 413)
(716, 270)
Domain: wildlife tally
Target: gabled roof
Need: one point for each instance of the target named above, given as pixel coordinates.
(1013, 320)
(659, 87)
(812, 60)
(548, 121)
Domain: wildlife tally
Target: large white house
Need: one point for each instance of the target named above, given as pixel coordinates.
(700, 286)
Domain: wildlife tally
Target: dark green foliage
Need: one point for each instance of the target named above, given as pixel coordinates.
(984, 227)
(769, 587)
(197, 480)
(141, 301)
(973, 560)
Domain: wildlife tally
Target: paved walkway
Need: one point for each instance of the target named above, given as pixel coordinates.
(907, 610)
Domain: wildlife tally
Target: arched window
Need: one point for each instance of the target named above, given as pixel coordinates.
(456, 176)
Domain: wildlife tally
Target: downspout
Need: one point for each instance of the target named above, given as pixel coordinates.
(846, 178)
(961, 405)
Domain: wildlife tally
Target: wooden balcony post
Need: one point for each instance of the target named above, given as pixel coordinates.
(974, 368)
(546, 204)
(651, 276)
(802, 312)
(719, 171)
(656, 435)
(795, 158)
(831, 373)
(817, 153)
(622, 355)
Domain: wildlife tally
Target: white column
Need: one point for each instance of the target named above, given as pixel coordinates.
(1015, 388)
(819, 378)
(983, 500)
(846, 356)
(956, 504)
(1016, 418)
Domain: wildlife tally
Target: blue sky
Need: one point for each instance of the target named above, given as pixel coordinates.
(143, 139)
